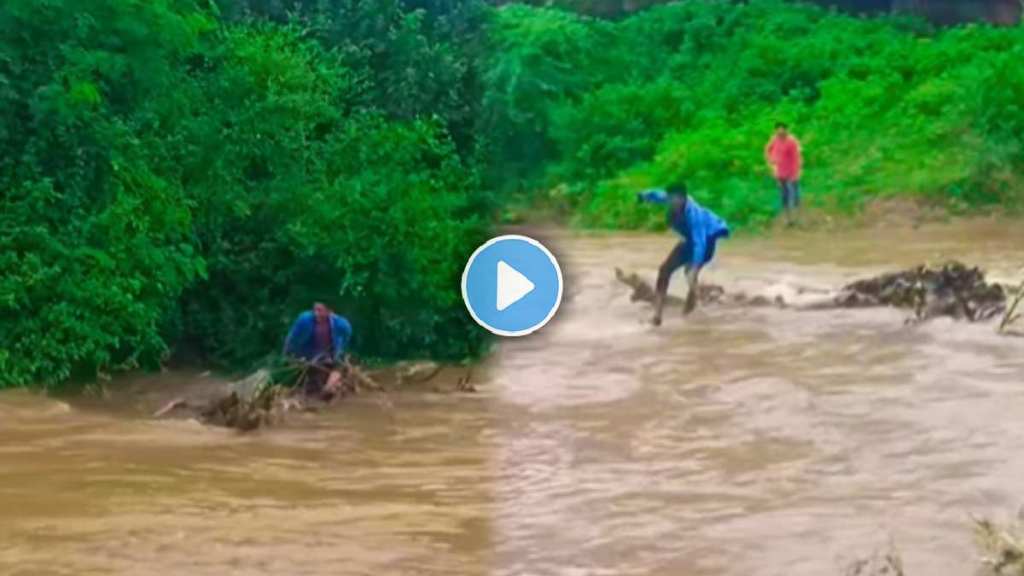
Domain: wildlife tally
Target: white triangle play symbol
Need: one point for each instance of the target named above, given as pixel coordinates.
(512, 285)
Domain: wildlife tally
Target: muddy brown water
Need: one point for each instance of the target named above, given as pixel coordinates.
(736, 442)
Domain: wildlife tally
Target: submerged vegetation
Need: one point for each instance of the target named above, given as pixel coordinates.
(184, 176)
(1002, 547)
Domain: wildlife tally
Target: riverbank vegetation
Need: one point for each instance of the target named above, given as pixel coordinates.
(180, 175)
(594, 109)
(183, 176)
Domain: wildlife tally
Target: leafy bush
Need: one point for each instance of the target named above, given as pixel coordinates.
(533, 59)
(94, 228)
(182, 175)
(413, 58)
(170, 181)
(373, 216)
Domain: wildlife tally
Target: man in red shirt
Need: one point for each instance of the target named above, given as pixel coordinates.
(784, 156)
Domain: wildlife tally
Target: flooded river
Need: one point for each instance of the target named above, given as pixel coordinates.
(736, 442)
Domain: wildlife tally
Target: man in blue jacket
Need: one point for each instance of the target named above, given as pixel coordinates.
(700, 230)
(319, 337)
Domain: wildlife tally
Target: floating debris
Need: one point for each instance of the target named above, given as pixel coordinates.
(263, 398)
(952, 289)
(1012, 315)
(707, 294)
(1002, 546)
(266, 396)
(887, 562)
(644, 292)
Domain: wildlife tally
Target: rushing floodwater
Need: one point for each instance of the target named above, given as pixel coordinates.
(737, 442)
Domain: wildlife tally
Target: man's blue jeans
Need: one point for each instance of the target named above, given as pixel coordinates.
(790, 190)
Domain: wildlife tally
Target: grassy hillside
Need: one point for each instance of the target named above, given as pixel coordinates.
(594, 110)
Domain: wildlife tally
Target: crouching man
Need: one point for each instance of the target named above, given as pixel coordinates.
(320, 337)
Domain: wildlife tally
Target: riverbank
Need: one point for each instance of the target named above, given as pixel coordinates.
(272, 161)
(549, 211)
(931, 230)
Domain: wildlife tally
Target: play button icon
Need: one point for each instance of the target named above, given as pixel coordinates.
(512, 285)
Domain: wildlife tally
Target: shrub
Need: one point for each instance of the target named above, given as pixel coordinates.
(171, 181)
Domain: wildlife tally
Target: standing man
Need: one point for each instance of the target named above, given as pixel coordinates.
(319, 337)
(786, 159)
(700, 230)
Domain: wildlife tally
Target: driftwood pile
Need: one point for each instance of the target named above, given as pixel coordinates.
(707, 294)
(262, 399)
(952, 289)
(265, 397)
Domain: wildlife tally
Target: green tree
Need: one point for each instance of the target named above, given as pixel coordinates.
(312, 200)
(94, 228)
(172, 181)
(415, 59)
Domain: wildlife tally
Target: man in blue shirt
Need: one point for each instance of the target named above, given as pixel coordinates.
(700, 230)
(319, 337)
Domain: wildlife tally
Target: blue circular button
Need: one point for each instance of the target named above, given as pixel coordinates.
(512, 285)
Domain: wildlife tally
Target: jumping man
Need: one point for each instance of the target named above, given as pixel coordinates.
(700, 230)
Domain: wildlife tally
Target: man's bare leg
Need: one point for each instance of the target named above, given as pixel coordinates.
(694, 290)
(332, 387)
(333, 382)
(661, 286)
(659, 304)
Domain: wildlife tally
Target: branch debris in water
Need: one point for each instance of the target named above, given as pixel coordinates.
(1012, 315)
(881, 563)
(1002, 547)
(952, 289)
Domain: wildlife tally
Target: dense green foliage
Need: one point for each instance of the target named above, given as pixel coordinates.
(187, 175)
(596, 110)
(170, 180)
(413, 58)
